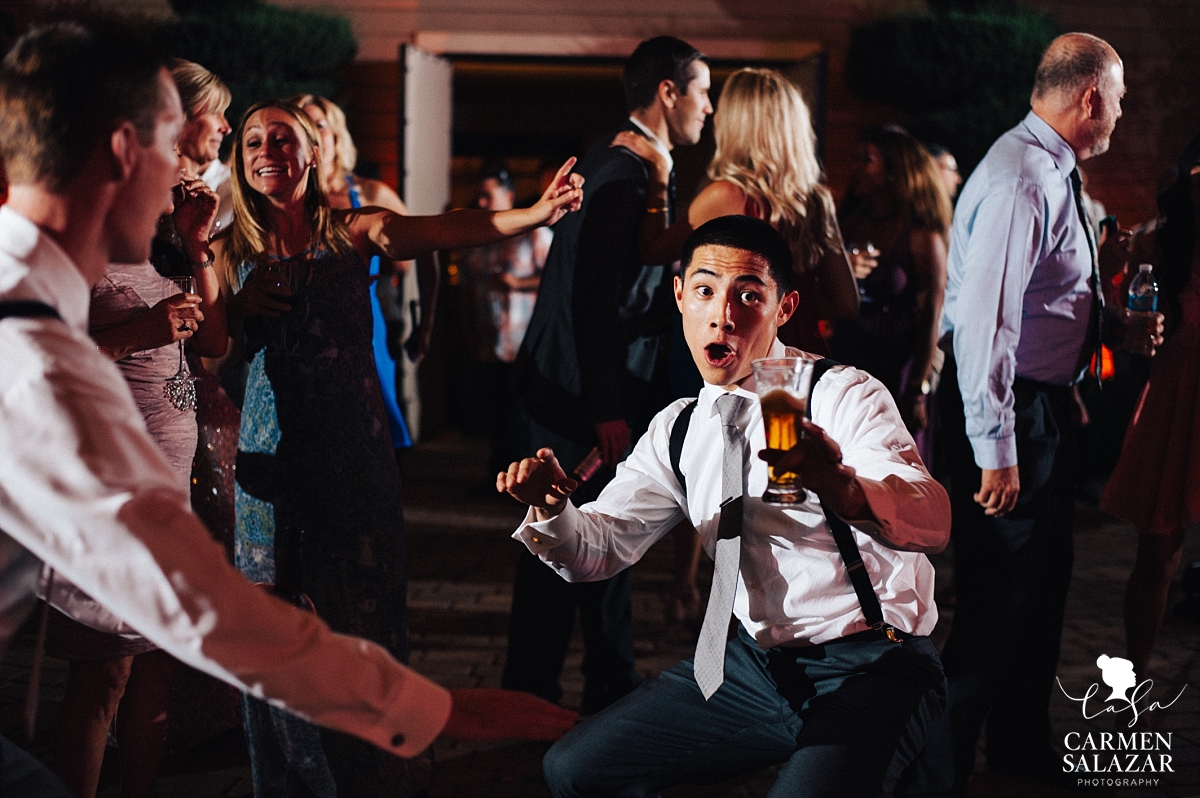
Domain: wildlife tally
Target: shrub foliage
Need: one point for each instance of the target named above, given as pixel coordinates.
(260, 50)
(960, 75)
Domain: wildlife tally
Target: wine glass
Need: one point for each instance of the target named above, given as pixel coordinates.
(864, 258)
(180, 389)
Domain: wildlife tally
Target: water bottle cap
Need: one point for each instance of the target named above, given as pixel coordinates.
(1145, 267)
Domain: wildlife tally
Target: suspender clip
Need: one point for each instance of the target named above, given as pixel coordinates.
(889, 630)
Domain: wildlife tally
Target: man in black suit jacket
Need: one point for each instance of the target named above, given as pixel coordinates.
(593, 367)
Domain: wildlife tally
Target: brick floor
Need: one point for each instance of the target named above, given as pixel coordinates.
(462, 561)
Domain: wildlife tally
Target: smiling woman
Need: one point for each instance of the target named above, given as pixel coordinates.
(318, 493)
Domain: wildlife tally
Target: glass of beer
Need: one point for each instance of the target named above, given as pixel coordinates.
(783, 385)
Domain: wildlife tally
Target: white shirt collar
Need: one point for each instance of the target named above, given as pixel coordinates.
(657, 143)
(216, 174)
(34, 267)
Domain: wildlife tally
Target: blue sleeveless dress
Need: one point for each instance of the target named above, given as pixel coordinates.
(384, 363)
(315, 455)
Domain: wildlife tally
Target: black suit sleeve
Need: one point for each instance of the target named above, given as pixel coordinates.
(607, 264)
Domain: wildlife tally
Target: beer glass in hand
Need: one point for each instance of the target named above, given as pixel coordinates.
(783, 385)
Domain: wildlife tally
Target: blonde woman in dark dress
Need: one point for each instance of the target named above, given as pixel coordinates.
(315, 465)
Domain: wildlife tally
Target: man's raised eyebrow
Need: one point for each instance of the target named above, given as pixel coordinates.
(749, 278)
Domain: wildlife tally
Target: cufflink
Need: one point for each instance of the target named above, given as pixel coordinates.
(535, 539)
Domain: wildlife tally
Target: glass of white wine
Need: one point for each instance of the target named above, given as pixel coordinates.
(180, 389)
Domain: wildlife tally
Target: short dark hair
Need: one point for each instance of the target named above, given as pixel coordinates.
(63, 89)
(496, 170)
(1072, 63)
(749, 235)
(655, 60)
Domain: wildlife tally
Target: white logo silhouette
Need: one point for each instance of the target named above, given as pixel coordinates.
(1117, 673)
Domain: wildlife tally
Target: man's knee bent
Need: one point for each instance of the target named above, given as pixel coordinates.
(567, 768)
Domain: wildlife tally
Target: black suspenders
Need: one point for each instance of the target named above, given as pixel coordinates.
(839, 529)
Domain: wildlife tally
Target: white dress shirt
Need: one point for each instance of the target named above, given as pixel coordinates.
(792, 588)
(84, 489)
(655, 142)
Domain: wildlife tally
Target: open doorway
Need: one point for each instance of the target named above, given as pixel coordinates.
(530, 110)
(531, 113)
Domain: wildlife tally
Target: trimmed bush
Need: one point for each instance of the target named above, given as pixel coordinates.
(960, 78)
(262, 51)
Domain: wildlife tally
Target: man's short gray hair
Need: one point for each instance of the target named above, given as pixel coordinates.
(1072, 63)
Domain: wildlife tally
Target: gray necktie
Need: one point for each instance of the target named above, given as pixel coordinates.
(709, 666)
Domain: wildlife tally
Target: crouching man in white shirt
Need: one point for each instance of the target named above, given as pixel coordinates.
(830, 673)
(89, 117)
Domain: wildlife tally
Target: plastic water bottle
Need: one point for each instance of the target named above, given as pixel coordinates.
(1143, 291)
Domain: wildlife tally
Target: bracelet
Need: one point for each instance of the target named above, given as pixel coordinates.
(204, 264)
(656, 209)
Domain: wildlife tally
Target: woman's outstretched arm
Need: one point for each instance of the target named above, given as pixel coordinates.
(406, 237)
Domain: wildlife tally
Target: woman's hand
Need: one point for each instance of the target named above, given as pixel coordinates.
(175, 318)
(195, 212)
(563, 195)
(642, 148)
(863, 260)
(262, 295)
(914, 409)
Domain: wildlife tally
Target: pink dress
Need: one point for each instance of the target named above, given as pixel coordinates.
(1156, 484)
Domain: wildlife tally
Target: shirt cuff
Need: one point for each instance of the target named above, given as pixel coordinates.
(994, 454)
(416, 716)
(557, 535)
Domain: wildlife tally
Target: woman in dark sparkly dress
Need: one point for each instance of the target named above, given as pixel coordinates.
(318, 495)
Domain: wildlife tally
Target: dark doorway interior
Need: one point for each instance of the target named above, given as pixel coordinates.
(529, 111)
(532, 113)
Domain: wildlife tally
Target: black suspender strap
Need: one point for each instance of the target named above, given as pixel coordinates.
(844, 538)
(860, 580)
(679, 433)
(27, 309)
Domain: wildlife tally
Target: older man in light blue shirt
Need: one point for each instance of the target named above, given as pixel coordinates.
(1024, 315)
(1017, 230)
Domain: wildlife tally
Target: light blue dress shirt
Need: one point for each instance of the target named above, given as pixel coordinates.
(1018, 296)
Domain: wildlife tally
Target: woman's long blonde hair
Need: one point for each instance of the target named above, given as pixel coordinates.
(767, 148)
(347, 153)
(248, 233)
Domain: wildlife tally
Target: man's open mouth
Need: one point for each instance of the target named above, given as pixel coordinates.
(718, 354)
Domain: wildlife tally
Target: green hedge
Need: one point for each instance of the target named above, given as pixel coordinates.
(260, 50)
(959, 77)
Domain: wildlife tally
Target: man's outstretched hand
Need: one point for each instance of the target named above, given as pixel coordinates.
(539, 482)
(492, 714)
